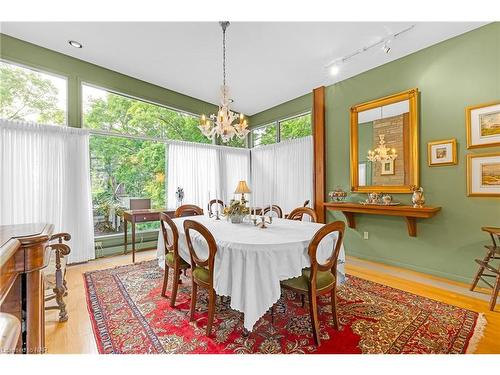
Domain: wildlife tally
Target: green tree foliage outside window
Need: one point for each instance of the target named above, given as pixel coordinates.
(264, 135)
(28, 95)
(296, 127)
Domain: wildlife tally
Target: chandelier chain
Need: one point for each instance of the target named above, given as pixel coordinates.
(224, 55)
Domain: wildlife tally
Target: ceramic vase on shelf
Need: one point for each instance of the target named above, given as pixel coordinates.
(418, 198)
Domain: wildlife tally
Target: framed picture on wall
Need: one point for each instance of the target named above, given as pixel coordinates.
(483, 175)
(442, 152)
(387, 167)
(483, 125)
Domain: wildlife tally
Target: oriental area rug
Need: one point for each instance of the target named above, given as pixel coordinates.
(130, 316)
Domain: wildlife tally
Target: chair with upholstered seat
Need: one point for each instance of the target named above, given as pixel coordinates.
(218, 203)
(276, 209)
(202, 273)
(319, 278)
(486, 264)
(299, 212)
(188, 210)
(172, 257)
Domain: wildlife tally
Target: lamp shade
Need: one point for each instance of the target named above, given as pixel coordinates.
(242, 188)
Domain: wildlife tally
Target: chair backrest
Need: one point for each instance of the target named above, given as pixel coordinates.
(216, 202)
(196, 261)
(299, 212)
(331, 262)
(188, 210)
(276, 209)
(306, 203)
(170, 241)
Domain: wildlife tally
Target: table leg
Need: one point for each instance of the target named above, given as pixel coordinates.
(133, 241)
(125, 236)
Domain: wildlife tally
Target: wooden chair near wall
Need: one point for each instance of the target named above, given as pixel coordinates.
(188, 210)
(485, 264)
(172, 257)
(202, 273)
(319, 278)
(276, 209)
(215, 202)
(306, 203)
(299, 212)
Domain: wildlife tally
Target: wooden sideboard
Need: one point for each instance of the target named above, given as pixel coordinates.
(410, 213)
(23, 255)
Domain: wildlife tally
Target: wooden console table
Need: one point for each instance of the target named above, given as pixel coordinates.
(410, 213)
(23, 255)
(140, 216)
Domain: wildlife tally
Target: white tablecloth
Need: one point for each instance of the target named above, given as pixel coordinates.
(250, 262)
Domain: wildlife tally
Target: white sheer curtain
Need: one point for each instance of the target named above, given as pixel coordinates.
(44, 177)
(204, 169)
(283, 173)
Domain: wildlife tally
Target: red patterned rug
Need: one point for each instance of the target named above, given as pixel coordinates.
(130, 316)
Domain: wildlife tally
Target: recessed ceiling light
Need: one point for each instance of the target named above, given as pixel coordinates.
(74, 43)
(334, 69)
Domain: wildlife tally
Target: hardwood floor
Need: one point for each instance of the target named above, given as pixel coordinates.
(76, 336)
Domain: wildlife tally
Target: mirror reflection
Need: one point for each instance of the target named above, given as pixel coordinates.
(384, 144)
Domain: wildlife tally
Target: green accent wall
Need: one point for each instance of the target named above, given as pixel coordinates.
(291, 108)
(78, 71)
(450, 76)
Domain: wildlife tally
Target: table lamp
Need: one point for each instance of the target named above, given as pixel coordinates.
(242, 188)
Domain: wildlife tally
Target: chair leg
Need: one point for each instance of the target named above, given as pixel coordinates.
(334, 308)
(494, 293)
(194, 291)
(313, 307)
(480, 271)
(175, 286)
(211, 310)
(63, 314)
(165, 281)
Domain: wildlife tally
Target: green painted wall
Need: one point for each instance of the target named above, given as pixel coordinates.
(291, 108)
(78, 71)
(451, 75)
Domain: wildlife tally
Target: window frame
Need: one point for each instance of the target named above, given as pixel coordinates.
(47, 72)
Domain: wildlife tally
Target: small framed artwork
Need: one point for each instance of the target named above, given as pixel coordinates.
(483, 175)
(483, 125)
(387, 167)
(442, 152)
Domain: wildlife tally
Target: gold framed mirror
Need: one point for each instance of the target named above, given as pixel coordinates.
(384, 144)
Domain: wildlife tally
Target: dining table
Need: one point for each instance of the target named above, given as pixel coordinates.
(250, 261)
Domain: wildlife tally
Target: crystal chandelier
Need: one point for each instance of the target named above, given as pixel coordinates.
(222, 124)
(382, 153)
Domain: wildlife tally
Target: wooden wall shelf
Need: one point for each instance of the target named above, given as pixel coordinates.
(410, 213)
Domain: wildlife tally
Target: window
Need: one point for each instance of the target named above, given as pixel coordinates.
(124, 168)
(128, 152)
(30, 95)
(296, 127)
(120, 114)
(264, 135)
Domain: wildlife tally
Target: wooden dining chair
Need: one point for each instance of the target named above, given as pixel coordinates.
(319, 278)
(172, 257)
(299, 212)
(215, 202)
(486, 264)
(202, 273)
(276, 209)
(188, 210)
(306, 203)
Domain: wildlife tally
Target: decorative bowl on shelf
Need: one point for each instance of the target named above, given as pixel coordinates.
(338, 195)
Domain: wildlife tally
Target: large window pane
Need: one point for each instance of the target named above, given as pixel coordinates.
(264, 135)
(114, 113)
(296, 127)
(124, 168)
(236, 142)
(29, 95)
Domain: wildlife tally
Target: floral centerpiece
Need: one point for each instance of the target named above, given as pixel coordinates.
(236, 211)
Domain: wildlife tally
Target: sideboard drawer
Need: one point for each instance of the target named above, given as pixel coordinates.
(153, 216)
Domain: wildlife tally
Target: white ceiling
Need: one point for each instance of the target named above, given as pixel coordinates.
(268, 63)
